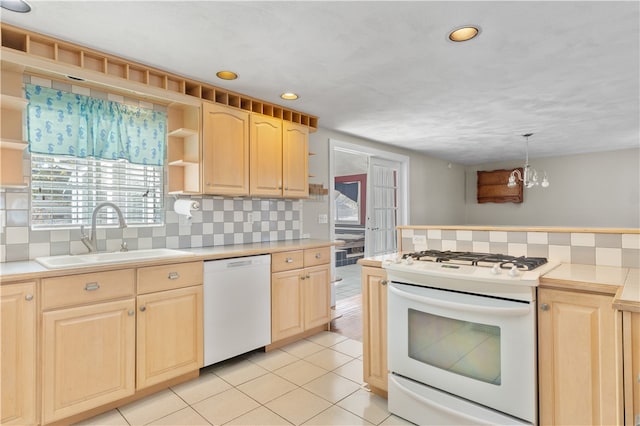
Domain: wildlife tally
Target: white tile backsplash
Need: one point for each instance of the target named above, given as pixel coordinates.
(537, 238)
(631, 241)
(608, 256)
(583, 239)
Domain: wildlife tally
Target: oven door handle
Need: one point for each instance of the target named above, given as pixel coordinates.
(505, 312)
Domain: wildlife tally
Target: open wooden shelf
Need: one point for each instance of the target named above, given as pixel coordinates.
(74, 56)
(13, 103)
(183, 149)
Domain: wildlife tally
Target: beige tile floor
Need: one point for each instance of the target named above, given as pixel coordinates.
(316, 381)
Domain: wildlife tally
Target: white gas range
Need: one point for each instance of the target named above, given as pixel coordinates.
(462, 337)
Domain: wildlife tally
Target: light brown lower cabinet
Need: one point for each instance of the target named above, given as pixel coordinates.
(374, 324)
(88, 341)
(18, 361)
(88, 357)
(103, 340)
(169, 338)
(579, 358)
(300, 292)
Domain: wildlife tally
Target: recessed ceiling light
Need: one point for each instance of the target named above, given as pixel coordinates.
(19, 6)
(227, 75)
(290, 96)
(464, 33)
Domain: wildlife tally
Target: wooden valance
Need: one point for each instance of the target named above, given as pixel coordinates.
(492, 187)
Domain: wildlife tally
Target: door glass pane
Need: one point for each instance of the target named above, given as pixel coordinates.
(461, 347)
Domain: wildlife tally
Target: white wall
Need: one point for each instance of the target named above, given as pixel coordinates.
(591, 190)
(436, 192)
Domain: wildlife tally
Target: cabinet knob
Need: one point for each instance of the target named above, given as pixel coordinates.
(173, 275)
(544, 307)
(289, 260)
(131, 312)
(28, 297)
(302, 277)
(318, 255)
(91, 286)
(143, 308)
(384, 282)
(307, 277)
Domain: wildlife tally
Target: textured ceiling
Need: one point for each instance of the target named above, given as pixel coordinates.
(566, 71)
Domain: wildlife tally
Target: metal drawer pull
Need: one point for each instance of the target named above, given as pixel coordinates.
(28, 297)
(173, 275)
(289, 260)
(91, 286)
(318, 255)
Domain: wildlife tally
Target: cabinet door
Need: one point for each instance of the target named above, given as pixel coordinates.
(317, 296)
(578, 358)
(170, 338)
(225, 150)
(18, 361)
(295, 163)
(88, 356)
(287, 315)
(266, 156)
(374, 323)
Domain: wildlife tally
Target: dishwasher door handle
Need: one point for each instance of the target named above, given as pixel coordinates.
(239, 263)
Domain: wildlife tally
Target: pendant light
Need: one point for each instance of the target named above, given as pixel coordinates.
(529, 177)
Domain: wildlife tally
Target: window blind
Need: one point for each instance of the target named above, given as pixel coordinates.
(65, 190)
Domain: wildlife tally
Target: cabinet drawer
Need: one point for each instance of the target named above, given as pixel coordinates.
(160, 278)
(286, 261)
(87, 288)
(318, 256)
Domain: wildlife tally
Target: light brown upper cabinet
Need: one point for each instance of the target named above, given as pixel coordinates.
(225, 150)
(266, 155)
(295, 164)
(279, 158)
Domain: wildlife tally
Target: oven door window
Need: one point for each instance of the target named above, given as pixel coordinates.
(466, 348)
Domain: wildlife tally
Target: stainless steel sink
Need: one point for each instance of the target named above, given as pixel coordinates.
(71, 261)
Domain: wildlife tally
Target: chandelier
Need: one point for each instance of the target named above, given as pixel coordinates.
(529, 176)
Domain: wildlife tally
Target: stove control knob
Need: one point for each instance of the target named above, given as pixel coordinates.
(513, 272)
(495, 270)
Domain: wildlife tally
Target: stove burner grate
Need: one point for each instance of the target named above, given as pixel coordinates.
(478, 259)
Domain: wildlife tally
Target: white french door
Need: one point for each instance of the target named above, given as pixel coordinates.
(382, 206)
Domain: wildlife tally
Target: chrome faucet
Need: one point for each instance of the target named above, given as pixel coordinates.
(91, 241)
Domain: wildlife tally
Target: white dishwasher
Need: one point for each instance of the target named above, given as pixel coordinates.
(237, 306)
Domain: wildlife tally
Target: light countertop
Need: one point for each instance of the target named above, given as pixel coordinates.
(30, 270)
(622, 283)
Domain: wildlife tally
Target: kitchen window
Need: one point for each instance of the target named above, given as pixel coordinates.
(64, 191)
(87, 150)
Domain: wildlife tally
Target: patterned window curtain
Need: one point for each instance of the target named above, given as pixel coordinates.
(62, 123)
